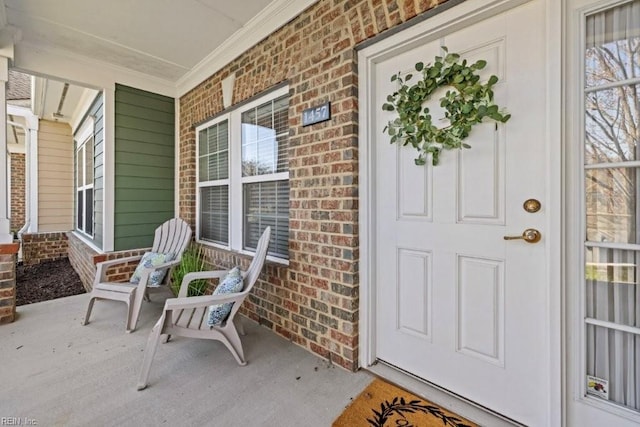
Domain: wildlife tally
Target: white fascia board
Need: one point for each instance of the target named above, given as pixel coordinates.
(274, 16)
(38, 94)
(86, 130)
(16, 148)
(31, 120)
(86, 99)
(84, 71)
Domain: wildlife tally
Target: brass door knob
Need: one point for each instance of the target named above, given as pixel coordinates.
(530, 235)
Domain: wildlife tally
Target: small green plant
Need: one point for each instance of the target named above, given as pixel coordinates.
(192, 261)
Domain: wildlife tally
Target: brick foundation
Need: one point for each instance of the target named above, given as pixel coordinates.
(314, 302)
(8, 254)
(83, 259)
(38, 247)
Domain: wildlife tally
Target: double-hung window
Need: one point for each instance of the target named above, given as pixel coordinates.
(243, 176)
(84, 177)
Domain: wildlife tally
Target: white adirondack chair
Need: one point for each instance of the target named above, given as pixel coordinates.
(187, 316)
(171, 237)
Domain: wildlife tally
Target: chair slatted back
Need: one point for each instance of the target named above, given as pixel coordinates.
(172, 236)
(255, 267)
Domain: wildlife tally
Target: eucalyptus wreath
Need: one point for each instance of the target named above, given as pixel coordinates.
(466, 104)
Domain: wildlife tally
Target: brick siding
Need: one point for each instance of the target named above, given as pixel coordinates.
(18, 194)
(38, 247)
(313, 302)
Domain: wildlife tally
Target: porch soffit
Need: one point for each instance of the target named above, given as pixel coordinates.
(180, 43)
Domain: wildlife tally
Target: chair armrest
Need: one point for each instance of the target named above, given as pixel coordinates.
(202, 301)
(168, 264)
(198, 275)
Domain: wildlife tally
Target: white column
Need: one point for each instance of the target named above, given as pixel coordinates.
(31, 173)
(5, 235)
(108, 207)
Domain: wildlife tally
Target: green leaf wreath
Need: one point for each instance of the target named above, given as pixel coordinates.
(467, 103)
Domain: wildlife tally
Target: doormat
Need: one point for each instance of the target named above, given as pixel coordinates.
(384, 405)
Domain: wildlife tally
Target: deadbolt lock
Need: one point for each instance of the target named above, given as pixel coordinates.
(532, 205)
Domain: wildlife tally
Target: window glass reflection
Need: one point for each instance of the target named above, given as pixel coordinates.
(611, 205)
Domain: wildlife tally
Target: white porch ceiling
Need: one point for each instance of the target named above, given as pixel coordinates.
(57, 101)
(165, 39)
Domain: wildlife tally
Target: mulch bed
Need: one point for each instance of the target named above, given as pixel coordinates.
(46, 281)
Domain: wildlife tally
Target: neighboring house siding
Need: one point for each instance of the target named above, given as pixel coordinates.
(18, 194)
(55, 177)
(97, 111)
(314, 302)
(144, 165)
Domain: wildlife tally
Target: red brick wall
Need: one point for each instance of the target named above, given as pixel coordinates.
(8, 282)
(81, 258)
(120, 272)
(314, 301)
(38, 247)
(17, 191)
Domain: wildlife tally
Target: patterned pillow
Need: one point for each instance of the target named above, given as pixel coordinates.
(231, 284)
(152, 259)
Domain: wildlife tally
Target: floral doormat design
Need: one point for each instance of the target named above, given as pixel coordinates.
(384, 405)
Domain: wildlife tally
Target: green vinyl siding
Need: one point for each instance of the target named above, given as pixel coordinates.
(144, 165)
(97, 112)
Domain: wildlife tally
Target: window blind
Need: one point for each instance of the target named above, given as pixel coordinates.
(266, 204)
(214, 214)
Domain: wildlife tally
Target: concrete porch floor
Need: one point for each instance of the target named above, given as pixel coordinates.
(56, 372)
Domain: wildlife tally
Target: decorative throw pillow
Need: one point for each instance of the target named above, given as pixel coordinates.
(231, 284)
(152, 259)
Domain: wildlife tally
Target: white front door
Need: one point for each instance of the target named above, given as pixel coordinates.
(603, 240)
(456, 303)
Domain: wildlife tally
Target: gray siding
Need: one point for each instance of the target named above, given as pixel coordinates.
(96, 110)
(144, 165)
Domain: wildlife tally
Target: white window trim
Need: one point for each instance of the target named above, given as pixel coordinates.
(85, 132)
(199, 184)
(84, 189)
(235, 179)
(578, 319)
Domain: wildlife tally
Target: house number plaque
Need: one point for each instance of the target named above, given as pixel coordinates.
(318, 114)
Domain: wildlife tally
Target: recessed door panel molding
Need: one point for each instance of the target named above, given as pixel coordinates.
(414, 187)
(480, 308)
(414, 283)
(481, 169)
(492, 52)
